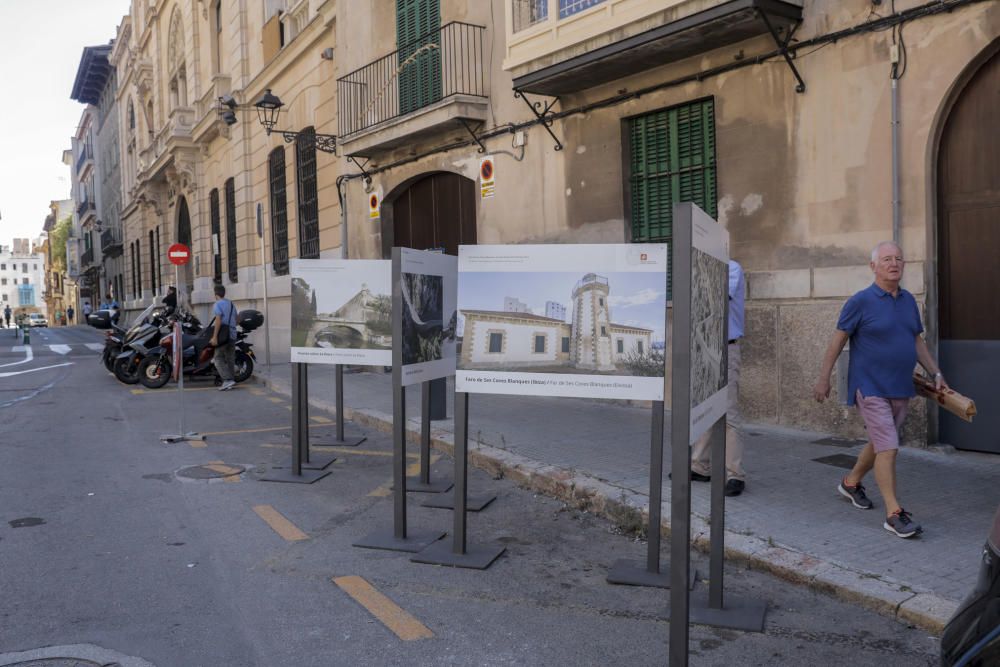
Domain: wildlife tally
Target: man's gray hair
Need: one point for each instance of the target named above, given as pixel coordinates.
(879, 247)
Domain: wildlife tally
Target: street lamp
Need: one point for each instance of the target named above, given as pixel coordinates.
(269, 106)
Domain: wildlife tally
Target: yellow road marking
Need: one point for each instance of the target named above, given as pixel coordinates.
(342, 450)
(229, 471)
(412, 470)
(275, 399)
(321, 420)
(197, 444)
(279, 523)
(392, 616)
(258, 392)
(263, 429)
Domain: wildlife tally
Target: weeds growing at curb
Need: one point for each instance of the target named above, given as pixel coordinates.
(627, 519)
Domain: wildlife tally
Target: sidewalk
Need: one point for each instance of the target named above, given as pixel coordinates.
(790, 521)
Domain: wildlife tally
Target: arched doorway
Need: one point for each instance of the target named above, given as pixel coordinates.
(186, 285)
(433, 211)
(436, 210)
(968, 191)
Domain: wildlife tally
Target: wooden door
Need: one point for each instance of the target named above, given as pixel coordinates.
(968, 246)
(438, 211)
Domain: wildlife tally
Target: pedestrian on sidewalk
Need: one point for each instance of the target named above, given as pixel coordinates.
(6, 315)
(224, 338)
(701, 454)
(69, 314)
(170, 300)
(883, 324)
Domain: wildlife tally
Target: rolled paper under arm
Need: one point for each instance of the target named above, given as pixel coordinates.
(949, 399)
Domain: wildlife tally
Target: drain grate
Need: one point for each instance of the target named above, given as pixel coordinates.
(845, 461)
(211, 471)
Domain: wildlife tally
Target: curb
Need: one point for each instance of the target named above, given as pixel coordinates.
(886, 596)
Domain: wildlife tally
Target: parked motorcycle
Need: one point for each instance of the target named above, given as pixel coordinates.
(156, 368)
(145, 334)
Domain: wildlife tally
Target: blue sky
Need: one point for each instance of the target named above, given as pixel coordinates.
(637, 299)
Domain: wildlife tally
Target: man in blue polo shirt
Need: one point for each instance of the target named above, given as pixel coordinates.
(883, 324)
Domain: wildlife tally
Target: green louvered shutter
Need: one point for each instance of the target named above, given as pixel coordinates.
(418, 40)
(672, 159)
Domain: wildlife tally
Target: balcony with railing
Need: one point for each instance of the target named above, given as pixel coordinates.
(87, 259)
(432, 84)
(85, 156)
(556, 47)
(85, 208)
(111, 241)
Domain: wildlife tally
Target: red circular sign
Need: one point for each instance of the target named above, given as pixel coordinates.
(486, 170)
(179, 254)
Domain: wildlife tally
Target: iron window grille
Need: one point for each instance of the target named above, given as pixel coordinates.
(231, 253)
(216, 223)
(279, 211)
(305, 161)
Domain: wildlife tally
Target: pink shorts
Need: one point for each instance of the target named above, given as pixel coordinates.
(882, 417)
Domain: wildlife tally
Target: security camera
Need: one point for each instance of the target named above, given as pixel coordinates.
(229, 117)
(227, 100)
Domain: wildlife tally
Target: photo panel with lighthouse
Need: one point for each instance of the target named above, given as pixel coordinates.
(585, 321)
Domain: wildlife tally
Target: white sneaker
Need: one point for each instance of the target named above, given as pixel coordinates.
(227, 385)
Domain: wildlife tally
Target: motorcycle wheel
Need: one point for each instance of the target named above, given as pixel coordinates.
(127, 370)
(154, 372)
(109, 358)
(243, 367)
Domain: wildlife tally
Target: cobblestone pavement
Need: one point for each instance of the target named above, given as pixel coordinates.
(791, 500)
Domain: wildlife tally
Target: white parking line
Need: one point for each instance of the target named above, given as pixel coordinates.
(61, 349)
(96, 347)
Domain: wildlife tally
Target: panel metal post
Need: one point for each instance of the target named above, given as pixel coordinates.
(631, 573)
(460, 553)
(680, 438)
(310, 461)
(400, 538)
(422, 482)
(352, 439)
(297, 474)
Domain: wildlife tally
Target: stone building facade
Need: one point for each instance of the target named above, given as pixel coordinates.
(647, 102)
(775, 116)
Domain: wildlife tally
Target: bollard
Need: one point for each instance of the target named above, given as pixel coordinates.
(27, 335)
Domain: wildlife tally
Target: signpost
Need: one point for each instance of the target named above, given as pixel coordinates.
(179, 254)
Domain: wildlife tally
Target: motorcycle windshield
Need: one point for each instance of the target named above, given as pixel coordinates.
(143, 318)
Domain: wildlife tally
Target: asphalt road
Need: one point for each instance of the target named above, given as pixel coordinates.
(106, 554)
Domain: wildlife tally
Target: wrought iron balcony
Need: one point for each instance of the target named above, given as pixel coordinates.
(86, 154)
(441, 64)
(85, 207)
(111, 241)
(87, 258)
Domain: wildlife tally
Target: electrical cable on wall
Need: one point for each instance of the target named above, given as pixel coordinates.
(873, 23)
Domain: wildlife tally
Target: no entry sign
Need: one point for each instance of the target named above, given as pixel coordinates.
(179, 254)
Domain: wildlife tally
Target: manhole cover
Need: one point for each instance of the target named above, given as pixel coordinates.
(58, 662)
(211, 471)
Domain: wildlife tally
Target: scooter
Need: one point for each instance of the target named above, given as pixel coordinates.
(143, 337)
(156, 368)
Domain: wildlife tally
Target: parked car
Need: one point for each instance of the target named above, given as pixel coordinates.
(972, 636)
(37, 320)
